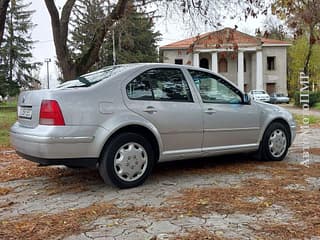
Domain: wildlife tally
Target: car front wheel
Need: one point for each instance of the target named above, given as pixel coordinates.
(275, 143)
(127, 160)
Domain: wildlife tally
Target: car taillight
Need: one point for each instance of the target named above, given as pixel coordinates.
(50, 113)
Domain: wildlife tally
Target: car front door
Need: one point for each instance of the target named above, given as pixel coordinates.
(228, 122)
(163, 97)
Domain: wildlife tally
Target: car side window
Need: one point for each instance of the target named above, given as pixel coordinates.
(213, 89)
(160, 84)
(140, 89)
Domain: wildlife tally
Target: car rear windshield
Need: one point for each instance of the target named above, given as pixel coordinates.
(89, 79)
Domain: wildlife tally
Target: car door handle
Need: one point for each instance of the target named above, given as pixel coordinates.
(150, 109)
(210, 111)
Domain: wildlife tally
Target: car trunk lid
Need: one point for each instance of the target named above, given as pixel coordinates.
(29, 103)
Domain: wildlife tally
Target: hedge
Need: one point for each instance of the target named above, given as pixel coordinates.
(314, 97)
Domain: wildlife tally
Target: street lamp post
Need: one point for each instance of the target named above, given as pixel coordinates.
(47, 60)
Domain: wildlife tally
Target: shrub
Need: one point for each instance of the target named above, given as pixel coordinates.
(314, 97)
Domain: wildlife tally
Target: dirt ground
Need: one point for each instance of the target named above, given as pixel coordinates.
(230, 197)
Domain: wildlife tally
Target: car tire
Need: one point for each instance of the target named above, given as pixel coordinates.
(275, 143)
(127, 160)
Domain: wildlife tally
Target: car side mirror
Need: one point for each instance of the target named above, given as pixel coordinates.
(246, 99)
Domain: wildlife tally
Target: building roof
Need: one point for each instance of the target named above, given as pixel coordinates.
(274, 42)
(224, 37)
(185, 43)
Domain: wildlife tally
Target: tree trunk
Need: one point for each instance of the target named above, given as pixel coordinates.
(10, 41)
(307, 61)
(71, 69)
(3, 12)
(312, 41)
(60, 31)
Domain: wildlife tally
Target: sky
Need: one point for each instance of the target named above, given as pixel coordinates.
(171, 29)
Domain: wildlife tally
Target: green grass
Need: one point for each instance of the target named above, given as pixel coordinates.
(6, 121)
(9, 103)
(312, 119)
(317, 106)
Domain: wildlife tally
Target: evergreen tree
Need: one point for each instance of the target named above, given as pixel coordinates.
(135, 40)
(84, 25)
(15, 52)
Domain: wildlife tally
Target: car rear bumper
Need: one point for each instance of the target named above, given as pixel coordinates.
(282, 101)
(51, 143)
(267, 100)
(74, 162)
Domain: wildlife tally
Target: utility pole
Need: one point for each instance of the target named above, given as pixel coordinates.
(47, 60)
(113, 49)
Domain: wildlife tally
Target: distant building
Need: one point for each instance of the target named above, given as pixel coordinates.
(250, 62)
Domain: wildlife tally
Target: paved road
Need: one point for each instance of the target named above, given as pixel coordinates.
(299, 110)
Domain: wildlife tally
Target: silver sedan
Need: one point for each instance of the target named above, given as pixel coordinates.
(279, 98)
(124, 119)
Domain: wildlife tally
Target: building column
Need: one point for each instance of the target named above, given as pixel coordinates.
(259, 71)
(196, 61)
(214, 62)
(240, 71)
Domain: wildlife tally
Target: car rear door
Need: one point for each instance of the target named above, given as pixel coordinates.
(228, 123)
(163, 97)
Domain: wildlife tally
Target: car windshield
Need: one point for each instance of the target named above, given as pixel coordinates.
(89, 79)
(280, 95)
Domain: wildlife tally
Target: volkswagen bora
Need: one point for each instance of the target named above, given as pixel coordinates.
(124, 119)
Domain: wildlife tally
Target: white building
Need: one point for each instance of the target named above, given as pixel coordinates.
(250, 62)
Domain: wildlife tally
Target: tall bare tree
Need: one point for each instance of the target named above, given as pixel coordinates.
(207, 10)
(273, 28)
(303, 16)
(60, 24)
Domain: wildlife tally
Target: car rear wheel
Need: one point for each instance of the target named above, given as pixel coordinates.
(127, 160)
(275, 143)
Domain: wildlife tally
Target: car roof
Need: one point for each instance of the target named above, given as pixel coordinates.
(137, 66)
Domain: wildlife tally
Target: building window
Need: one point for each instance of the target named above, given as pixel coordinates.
(223, 65)
(271, 88)
(271, 63)
(204, 63)
(178, 61)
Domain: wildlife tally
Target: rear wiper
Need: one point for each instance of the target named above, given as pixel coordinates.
(84, 81)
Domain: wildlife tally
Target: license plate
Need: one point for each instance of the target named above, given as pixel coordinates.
(25, 112)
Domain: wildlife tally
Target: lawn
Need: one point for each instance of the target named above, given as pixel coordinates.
(9, 104)
(7, 118)
(312, 119)
(317, 106)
